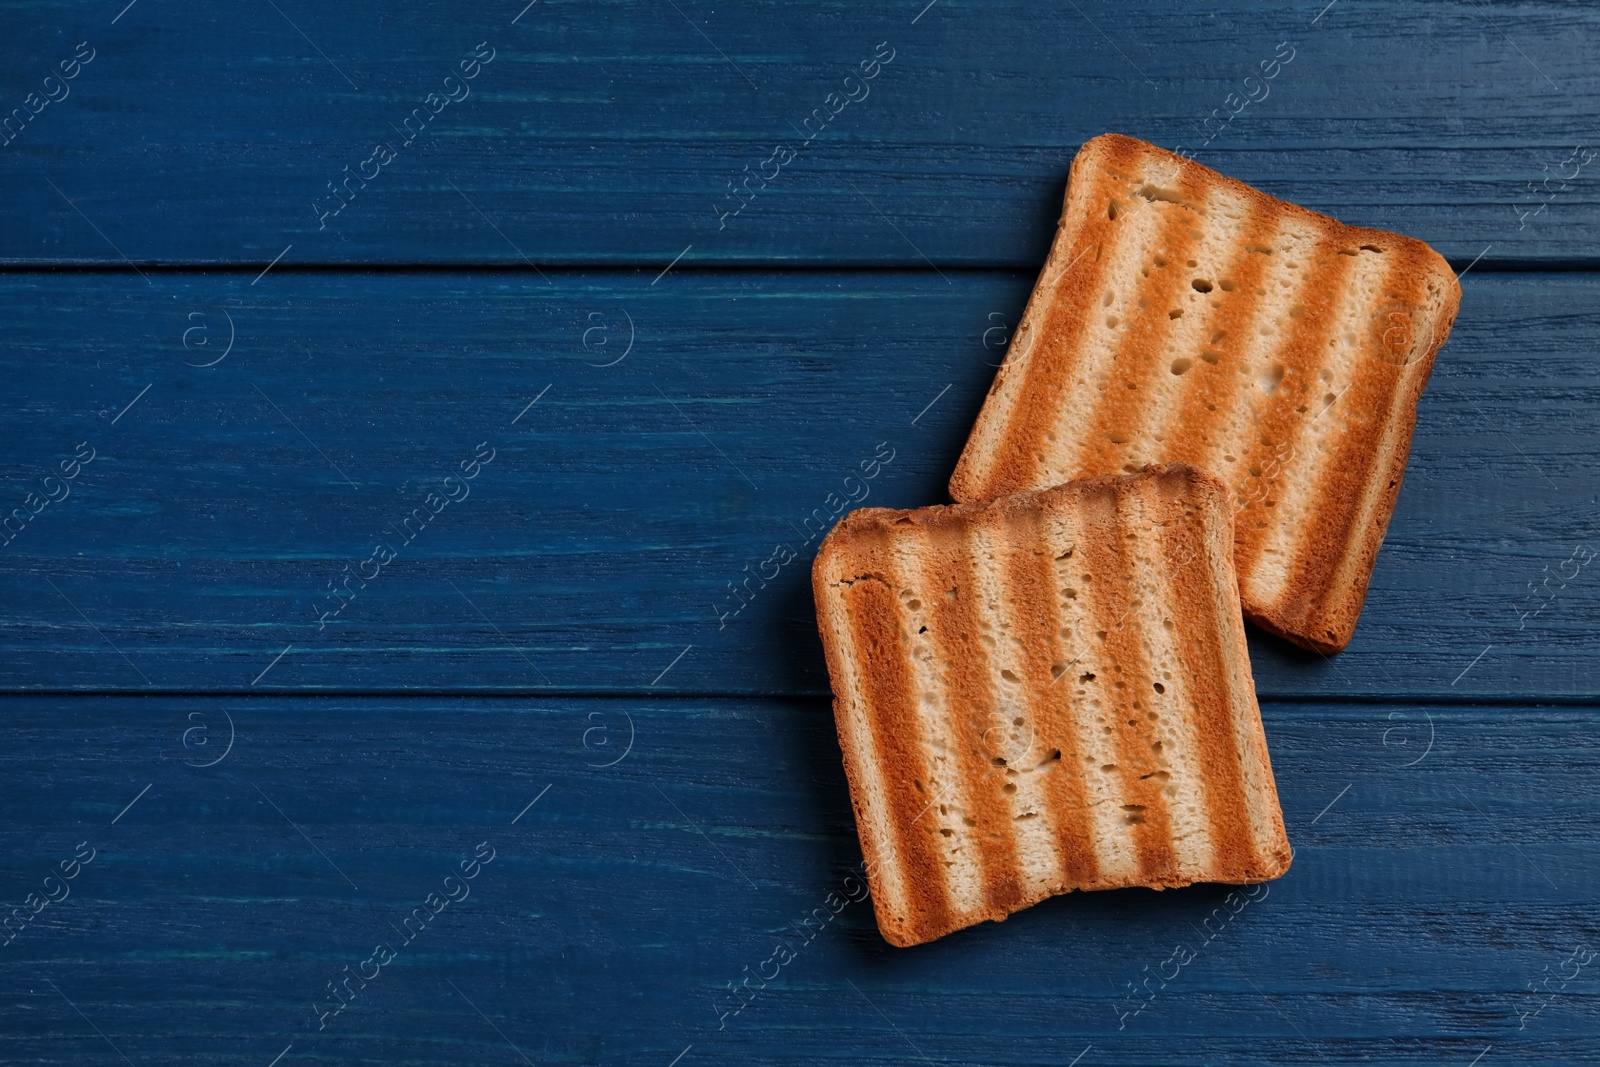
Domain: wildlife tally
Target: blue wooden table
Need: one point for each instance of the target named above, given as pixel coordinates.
(397, 394)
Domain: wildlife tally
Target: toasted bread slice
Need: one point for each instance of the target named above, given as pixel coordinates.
(1044, 692)
(1184, 316)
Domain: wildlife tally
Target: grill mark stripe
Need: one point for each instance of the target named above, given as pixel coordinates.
(1114, 598)
(1042, 356)
(888, 688)
(1278, 532)
(1087, 392)
(1065, 522)
(863, 765)
(1355, 569)
(1209, 395)
(1033, 836)
(1174, 503)
(967, 668)
(1263, 815)
(1213, 716)
(908, 546)
(1152, 424)
(1349, 472)
(1277, 420)
(1073, 349)
(1033, 583)
(1142, 350)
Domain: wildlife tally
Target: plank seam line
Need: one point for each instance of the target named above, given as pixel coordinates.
(1519, 265)
(1537, 700)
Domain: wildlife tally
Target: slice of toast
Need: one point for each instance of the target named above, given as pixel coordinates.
(1184, 316)
(1044, 692)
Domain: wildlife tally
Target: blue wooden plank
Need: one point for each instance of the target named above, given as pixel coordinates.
(599, 542)
(617, 136)
(1433, 884)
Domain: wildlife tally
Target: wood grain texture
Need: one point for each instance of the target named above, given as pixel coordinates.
(601, 540)
(1447, 858)
(612, 136)
(617, 909)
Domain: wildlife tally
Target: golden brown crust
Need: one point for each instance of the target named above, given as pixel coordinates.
(1183, 315)
(1043, 692)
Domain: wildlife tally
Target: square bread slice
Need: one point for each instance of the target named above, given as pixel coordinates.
(1044, 692)
(1186, 317)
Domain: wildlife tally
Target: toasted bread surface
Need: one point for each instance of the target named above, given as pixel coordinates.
(1185, 316)
(1044, 692)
